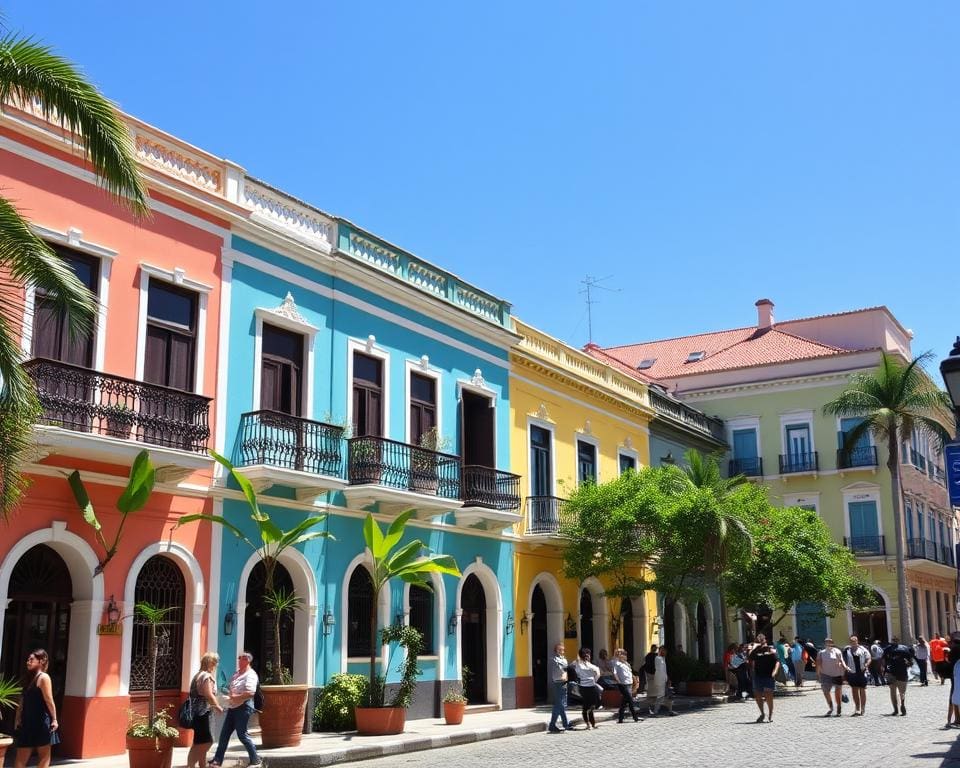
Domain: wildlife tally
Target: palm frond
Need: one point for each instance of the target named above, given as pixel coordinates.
(32, 72)
(19, 410)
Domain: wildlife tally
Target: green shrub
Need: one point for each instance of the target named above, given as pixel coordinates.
(334, 710)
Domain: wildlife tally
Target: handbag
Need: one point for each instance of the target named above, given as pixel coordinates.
(186, 714)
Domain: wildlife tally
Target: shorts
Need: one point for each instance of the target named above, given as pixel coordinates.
(763, 683)
(857, 679)
(829, 683)
(900, 685)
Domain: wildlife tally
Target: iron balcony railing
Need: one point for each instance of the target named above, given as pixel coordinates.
(83, 400)
(546, 514)
(281, 440)
(799, 462)
(380, 461)
(751, 467)
(925, 549)
(691, 417)
(490, 488)
(861, 456)
(918, 459)
(866, 545)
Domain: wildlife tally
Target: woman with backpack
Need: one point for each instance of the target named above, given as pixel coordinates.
(203, 698)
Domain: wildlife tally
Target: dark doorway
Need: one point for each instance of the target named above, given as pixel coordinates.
(703, 638)
(871, 623)
(473, 639)
(258, 636)
(669, 625)
(477, 430)
(37, 616)
(626, 622)
(586, 621)
(540, 646)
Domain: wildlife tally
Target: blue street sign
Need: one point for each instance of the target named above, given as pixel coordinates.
(951, 456)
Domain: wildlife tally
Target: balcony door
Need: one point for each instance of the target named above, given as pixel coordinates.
(745, 451)
(477, 430)
(542, 511)
(367, 396)
(282, 439)
(798, 442)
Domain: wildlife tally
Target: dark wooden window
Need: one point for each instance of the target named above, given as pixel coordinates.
(281, 371)
(51, 335)
(421, 616)
(478, 430)
(359, 601)
(367, 395)
(171, 336)
(586, 462)
(423, 406)
(541, 465)
(161, 584)
(627, 463)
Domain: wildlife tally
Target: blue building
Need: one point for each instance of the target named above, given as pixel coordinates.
(362, 378)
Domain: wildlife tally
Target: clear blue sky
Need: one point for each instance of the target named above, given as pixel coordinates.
(702, 154)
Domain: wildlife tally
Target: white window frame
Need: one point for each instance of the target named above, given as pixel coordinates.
(309, 334)
(869, 432)
(533, 421)
(796, 419)
(629, 453)
(809, 499)
(743, 422)
(177, 277)
(862, 494)
(583, 437)
(478, 386)
(369, 347)
(421, 369)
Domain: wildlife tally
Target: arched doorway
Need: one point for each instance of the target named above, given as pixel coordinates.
(586, 620)
(258, 637)
(703, 635)
(669, 624)
(37, 616)
(871, 623)
(539, 645)
(473, 635)
(626, 622)
(159, 583)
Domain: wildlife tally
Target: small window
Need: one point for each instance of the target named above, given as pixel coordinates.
(694, 357)
(627, 463)
(421, 616)
(646, 363)
(586, 462)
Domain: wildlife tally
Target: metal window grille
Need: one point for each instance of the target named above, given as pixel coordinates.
(161, 584)
(359, 602)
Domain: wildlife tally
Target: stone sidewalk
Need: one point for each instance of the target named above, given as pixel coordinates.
(320, 749)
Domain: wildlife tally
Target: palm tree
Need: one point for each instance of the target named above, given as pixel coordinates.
(893, 400)
(31, 74)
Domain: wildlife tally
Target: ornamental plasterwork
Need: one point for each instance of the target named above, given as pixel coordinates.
(374, 254)
(478, 381)
(628, 443)
(286, 214)
(178, 164)
(288, 311)
(542, 413)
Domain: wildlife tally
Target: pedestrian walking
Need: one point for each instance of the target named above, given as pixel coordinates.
(921, 652)
(938, 652)
(624, 677)
(203, 695)
(588, 674)
(785, 673)
(830, 672)
(857, 660)
(649, 666)
(765, 664)
(952, 659)
(796, 659)
(876, 663)
(741, 668)
(658, 686)
(243, 685)
(729, 674)
(35, 724)
(897, 660)
(558, 679)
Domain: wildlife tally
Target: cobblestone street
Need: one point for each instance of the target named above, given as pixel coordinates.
(728, 736)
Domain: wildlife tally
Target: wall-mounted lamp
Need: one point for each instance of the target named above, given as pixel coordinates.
(508, 626)
(113, 612)
(229, 619)
(524, 622)
(329, 622)
(452, 624)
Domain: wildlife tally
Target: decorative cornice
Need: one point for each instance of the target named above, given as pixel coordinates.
(176, 163)
(277, 210)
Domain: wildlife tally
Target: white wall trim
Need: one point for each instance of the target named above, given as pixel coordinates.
(73, 239)
(796, 419)
(494, 627)
(307, 332)
(806, 498)
(428, 371)
(553, 596)
(370, 348)
(551, 428)
(223, 358)
(363, 560)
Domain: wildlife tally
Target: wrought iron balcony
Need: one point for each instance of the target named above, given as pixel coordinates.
(689, 417)
(799, 462)
(866, 546)
(750, 467)
(861, 456)
(83, 400)
(925, 549)
(545, 515)
(280, 440)
(490, 488)
(918, 460)
(401, 466)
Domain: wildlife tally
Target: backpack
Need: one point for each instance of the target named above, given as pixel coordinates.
(258, 698)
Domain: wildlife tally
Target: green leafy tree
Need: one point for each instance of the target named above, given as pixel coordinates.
(796, 559)
(893, 400)
(31, 73)
(273, 541)
(406, 562)
(135, 495)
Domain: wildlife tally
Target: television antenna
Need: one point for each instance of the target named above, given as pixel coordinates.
(590, 285)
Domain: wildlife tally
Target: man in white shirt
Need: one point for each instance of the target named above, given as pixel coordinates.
(624, 676)
(243, 685)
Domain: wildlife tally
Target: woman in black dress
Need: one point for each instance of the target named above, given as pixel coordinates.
(36, 721)
(203, 691)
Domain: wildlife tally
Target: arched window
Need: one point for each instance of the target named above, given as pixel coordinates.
(159, 583)
(359, 602)
(421, 616)
(586, 619)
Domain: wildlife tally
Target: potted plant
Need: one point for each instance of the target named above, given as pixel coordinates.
(150, 737)
(365, 459)
(424, 477)
(454, 704)
(119, 418)
(406, 562)
(285, 704)
(9, 691)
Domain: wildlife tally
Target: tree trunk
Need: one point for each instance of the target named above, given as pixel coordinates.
(903, 597)
(723, 614)
(152, 710)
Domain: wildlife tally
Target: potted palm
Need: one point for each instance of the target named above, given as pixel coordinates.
(424, 477)
(150, 737)
(9, 691)
(408, 563)
(285, 703)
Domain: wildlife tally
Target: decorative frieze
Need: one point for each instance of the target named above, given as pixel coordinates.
(375, 254)
(283, 212)
(176, 163)
(477, 304)
(428, 279)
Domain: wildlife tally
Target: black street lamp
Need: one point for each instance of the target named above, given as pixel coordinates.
(950, 371)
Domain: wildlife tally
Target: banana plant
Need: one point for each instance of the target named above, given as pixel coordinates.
(273, 541)
(408, 563)
(134, 497)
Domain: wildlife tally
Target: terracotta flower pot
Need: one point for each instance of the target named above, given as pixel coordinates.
(380, 721)
(149, 752)
(699, 688)
(281, 722)
(453, 711)
(5, 743)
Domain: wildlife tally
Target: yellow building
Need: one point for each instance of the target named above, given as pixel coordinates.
(572, 418)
